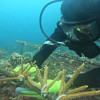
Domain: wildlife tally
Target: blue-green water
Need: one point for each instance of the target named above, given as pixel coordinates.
(19, 20)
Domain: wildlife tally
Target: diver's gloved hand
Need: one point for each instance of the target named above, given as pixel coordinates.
(74, 48)
(90, 78)
(90, 50)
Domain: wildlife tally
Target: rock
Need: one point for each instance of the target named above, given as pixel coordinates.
(15, 59)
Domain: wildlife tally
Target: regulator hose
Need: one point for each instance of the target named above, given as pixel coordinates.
(40, 23)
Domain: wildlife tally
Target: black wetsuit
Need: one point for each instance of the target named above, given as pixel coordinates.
(91, 50)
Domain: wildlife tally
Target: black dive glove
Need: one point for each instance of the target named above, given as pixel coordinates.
(90, 50)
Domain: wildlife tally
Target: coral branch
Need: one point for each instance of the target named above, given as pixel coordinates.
(45, 74)
(73, 78)
(81, 88)
(62, 83)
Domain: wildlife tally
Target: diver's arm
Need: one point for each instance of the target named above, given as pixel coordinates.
(48, 47)
(43, 54)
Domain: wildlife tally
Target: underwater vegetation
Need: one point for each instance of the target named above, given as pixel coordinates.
(47, 89)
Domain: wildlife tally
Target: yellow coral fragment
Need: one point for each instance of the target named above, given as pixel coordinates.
(22, 73)
(43, 80)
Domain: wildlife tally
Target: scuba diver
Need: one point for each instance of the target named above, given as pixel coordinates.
(78, 29)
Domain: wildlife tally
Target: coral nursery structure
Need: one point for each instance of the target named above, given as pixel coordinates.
(64, 92)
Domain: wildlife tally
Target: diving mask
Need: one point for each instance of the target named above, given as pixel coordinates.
(82, 33)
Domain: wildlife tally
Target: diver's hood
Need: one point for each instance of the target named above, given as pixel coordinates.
(80, 11)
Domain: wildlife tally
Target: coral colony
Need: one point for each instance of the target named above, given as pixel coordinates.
(64, 93)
